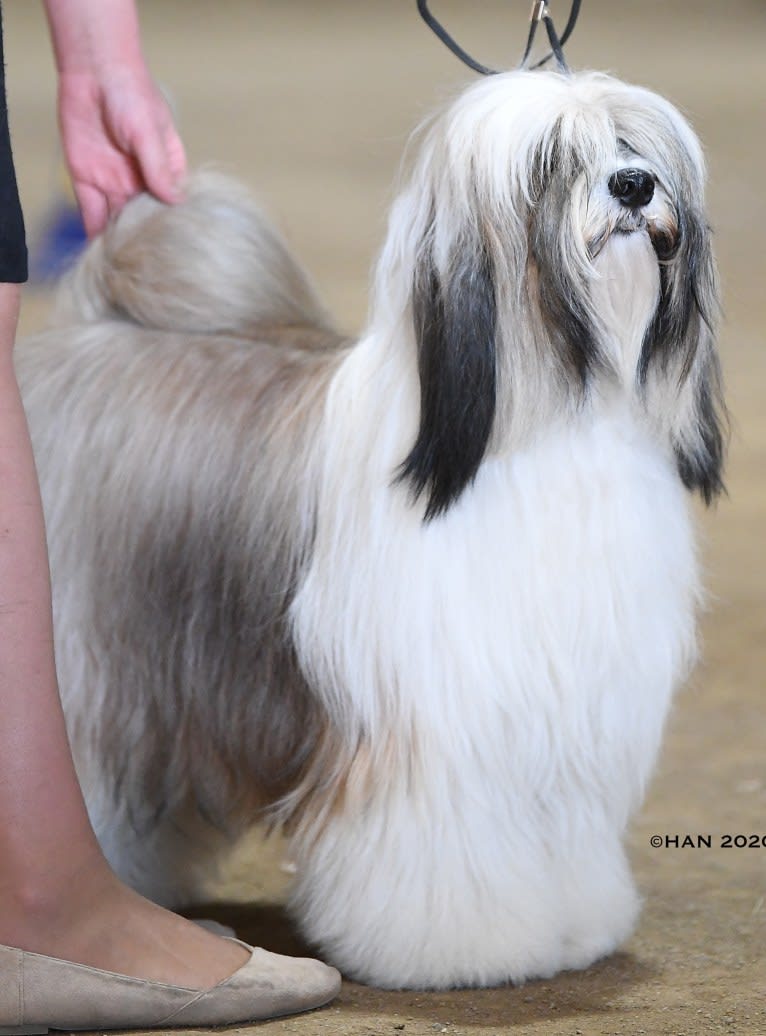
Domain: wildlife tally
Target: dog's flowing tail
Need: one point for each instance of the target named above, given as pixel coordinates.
(211, 264)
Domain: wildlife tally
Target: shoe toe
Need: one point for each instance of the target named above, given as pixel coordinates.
(267, 986)
(299, 983)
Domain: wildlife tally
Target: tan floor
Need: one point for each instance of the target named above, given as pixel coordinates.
(311, 102)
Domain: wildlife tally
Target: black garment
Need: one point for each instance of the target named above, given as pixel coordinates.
(13, 246)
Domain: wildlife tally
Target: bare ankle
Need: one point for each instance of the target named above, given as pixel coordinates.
(44, 901)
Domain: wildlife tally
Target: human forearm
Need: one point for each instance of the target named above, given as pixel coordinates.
(93, 36)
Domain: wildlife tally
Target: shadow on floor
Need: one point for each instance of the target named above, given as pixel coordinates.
(597, 990)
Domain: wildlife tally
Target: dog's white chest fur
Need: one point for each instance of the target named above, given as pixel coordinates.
(531, 641)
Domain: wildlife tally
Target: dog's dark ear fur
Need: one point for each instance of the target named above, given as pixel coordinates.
(679, 343)
(455, 320)
(701, 467)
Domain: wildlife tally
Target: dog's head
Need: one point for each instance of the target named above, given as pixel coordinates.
(552, 247)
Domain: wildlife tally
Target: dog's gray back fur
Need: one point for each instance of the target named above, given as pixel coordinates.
(185, 360)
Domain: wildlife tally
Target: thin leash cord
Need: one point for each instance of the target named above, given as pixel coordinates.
(450, 42)
(539, 13)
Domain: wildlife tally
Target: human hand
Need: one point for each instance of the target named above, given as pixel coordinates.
(116, 128)
(119, 139)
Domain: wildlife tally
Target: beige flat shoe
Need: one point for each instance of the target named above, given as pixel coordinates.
(38, 993)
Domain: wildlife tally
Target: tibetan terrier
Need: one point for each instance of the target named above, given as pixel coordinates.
(421, 599)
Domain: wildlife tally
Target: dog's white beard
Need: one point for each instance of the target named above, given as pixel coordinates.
(625, 297)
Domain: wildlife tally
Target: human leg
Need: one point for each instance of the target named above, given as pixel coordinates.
(57, 895)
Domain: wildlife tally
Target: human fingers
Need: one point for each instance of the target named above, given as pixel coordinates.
(94, 207)
(160, 157)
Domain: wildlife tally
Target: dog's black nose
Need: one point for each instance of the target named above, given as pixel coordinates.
(632, 187)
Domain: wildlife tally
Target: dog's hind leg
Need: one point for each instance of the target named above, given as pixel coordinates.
(171, 862)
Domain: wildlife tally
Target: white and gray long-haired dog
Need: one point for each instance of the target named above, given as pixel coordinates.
(424, 599)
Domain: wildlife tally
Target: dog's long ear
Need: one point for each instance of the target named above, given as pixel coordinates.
(700, 462)
(455, 315)
(678, 349)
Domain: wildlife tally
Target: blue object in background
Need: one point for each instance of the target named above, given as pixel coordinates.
(61, 241)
